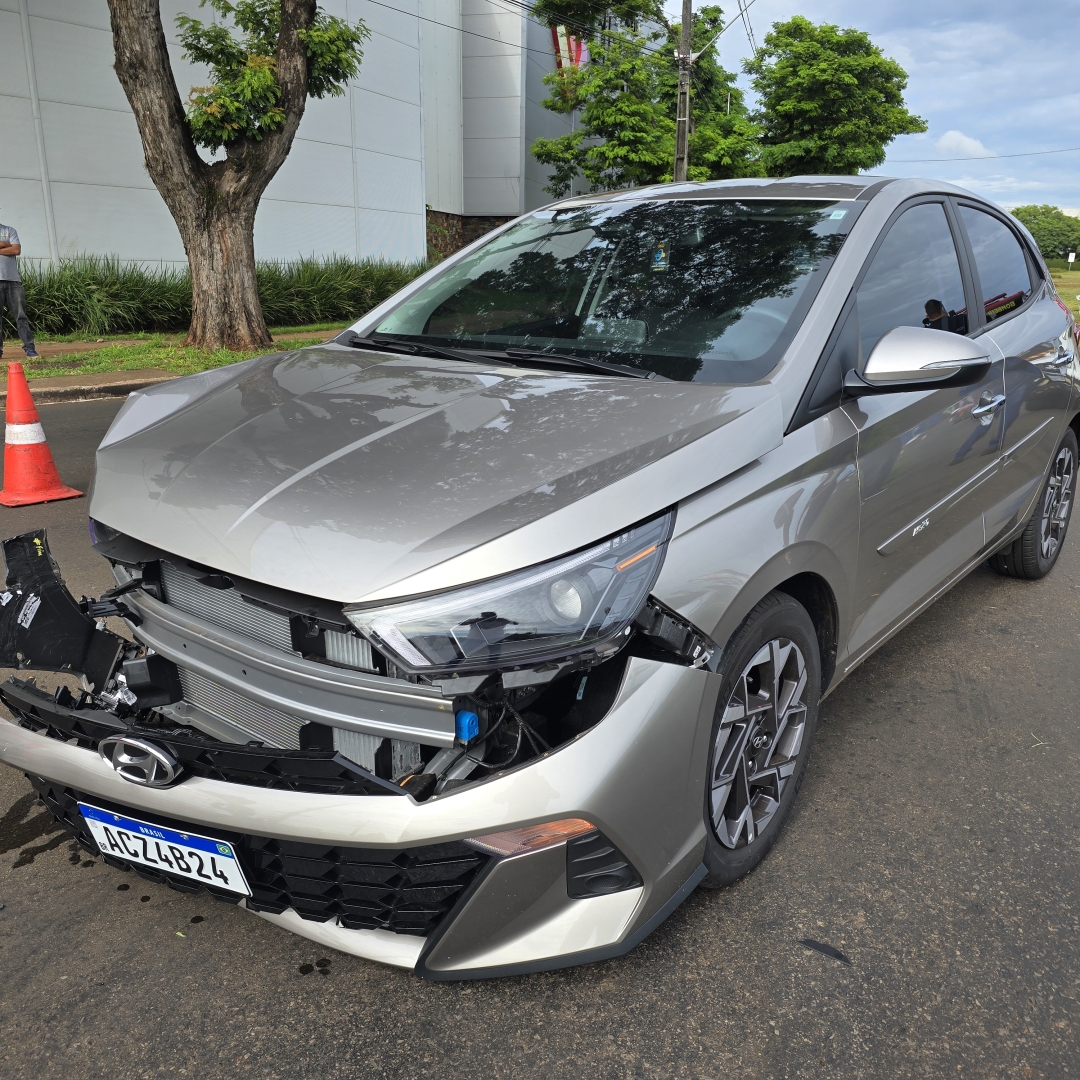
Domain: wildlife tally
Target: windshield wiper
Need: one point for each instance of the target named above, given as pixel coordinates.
(487, 356)
(392, 345)
(577, 361)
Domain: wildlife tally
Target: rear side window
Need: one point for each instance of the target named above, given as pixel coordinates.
(914, 279)
(1000, 261)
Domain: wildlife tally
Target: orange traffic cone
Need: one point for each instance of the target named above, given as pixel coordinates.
(30, 474)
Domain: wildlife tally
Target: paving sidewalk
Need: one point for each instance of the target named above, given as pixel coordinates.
(101, 384)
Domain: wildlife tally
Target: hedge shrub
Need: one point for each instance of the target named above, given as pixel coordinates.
(98, 295)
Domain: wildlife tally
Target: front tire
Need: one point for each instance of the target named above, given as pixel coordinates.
(762, 735)
(1033, 554)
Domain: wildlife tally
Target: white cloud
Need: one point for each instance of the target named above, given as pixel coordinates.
(955, 144)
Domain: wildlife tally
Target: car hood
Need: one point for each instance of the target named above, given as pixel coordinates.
(354, 475)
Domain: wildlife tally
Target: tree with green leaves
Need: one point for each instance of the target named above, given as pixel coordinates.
(266, 58)
(625, 99)
(830, 100)
(590, 18)
(625, 137)
(1056, 233)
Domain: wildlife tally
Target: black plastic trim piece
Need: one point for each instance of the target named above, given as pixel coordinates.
(552, 963)
(42, 627)
(316, 771)
(596, 867)
(856, 386)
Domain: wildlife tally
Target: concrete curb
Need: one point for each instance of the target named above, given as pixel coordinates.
(86, 387)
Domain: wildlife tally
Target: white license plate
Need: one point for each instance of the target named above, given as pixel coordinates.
(188, 855)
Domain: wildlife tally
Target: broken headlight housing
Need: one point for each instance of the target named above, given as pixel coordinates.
(578, 603)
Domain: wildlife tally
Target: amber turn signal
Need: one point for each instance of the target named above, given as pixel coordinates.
(532, 837)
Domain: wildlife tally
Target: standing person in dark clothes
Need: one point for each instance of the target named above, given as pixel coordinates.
(12, 293)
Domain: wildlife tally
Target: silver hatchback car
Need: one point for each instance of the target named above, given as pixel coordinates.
(475, 639)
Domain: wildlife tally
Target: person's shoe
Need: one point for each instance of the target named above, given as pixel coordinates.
(30, 354)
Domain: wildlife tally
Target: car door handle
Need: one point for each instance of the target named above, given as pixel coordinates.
(988, 407)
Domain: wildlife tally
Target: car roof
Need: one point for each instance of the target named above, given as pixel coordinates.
(788, 187)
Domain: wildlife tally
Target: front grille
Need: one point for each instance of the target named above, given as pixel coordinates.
(225, 607)
(260, 722)
(406, 891)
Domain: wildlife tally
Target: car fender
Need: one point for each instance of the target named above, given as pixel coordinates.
(795, 511)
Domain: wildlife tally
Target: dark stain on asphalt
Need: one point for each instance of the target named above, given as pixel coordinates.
(144, 899)
(825, 950)
(27, 855)
(16, 830)
(197, 918)
(306, 969)
(123, 888)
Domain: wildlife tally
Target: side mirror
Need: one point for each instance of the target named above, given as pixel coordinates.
(916, 358)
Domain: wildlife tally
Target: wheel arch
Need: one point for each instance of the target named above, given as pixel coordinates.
(815, 594)
(809, 573)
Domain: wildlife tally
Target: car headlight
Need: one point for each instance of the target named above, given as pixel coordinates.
(545, 613)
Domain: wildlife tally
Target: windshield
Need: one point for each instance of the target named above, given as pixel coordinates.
(694, 291)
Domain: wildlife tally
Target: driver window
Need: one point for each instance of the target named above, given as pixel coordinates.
(914, 280)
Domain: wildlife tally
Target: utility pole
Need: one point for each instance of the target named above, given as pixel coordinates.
(682, 114)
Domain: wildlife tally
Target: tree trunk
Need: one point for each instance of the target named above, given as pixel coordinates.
(213, 205)
(225, 308)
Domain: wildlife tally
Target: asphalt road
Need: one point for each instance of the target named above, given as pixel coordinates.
(935, 845)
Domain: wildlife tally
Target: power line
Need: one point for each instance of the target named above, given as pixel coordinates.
(985, 157)
(527, 8)
(749, 28)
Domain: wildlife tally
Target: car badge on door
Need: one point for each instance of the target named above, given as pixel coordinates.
(139, 761)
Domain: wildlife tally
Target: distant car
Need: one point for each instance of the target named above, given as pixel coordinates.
(475, 639)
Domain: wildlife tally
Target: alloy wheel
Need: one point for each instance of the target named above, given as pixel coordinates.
(1057, 502)
(758, 742)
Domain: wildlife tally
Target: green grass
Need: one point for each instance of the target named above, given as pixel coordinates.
(157, 351)
(143, 335)
(1068, 287)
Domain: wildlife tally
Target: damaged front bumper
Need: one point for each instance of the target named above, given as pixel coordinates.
(358, 861)
(628, 777)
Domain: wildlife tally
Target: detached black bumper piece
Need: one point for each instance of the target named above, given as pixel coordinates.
(406, 891)
(41, 624)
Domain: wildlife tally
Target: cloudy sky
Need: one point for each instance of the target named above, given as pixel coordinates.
(991, 78)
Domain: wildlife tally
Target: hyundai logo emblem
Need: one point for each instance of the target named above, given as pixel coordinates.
(139, 761)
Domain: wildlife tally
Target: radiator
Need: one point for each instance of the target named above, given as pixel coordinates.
(274, 728)
(226, 608)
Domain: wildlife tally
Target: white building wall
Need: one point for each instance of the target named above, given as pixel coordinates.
(353, 184)
(493, 80)
(440, 31)
(539, 122)
(505, 56)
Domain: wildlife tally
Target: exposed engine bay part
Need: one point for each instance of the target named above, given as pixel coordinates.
(669, 637)
(503, 719)
(42, 626)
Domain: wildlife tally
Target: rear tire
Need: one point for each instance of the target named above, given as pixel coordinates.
(1033, 553)
(762, 734)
